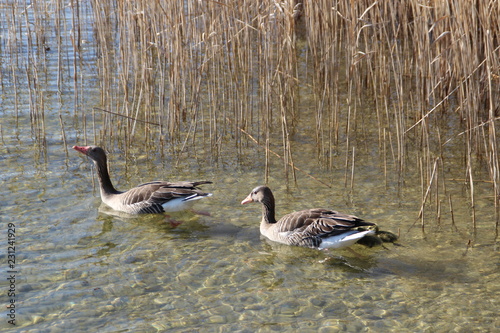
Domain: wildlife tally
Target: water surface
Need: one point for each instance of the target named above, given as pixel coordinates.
(80, 267)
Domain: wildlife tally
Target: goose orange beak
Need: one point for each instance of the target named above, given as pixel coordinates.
(247, 200)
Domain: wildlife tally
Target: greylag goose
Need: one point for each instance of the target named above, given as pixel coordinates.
(315, 228)
(152, 197)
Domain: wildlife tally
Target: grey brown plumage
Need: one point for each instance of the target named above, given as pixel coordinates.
(315, 228)
(152, 197)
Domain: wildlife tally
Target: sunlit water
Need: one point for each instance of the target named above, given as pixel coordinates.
(79, 267)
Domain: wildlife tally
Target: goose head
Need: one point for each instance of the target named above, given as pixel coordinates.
(262, 194)
(95, 153)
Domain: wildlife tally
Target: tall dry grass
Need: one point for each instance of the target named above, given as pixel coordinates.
(424, 66)
(407, 78)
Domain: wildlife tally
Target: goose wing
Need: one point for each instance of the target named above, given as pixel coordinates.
(308, 227)
(179, 190)
(160, 192)
(319, 222)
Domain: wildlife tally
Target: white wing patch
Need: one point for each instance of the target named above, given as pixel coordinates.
(345, 239)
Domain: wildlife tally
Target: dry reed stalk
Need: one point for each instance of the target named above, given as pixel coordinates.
(76, 49)
(11, 52)
(322, 45)
(422, 187)
(469, 175)
(1, 135)
(427, 192)
(452, 213)
(36, 70)
(494, 166)
(352, 168)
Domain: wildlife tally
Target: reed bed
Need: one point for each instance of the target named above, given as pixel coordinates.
(415, 81)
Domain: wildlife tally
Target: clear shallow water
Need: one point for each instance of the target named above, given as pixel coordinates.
(81, 268)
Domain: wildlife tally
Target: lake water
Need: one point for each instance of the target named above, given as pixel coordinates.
(80, 267)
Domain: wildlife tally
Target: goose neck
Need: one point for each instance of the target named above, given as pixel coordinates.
(268, 212)
(104, 180)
